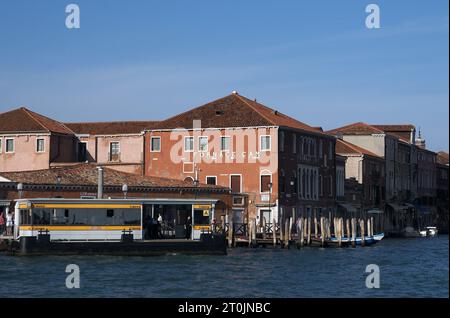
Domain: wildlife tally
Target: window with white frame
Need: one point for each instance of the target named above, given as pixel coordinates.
(212, 180)
(203, 143)
(40, 145)
(155, 144)
(265, 143)
(225, 143)
(9, 145)
(188, 144)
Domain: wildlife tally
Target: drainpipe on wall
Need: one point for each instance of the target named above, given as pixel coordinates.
(100, 183)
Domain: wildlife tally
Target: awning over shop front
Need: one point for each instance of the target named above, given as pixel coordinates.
(349, 207)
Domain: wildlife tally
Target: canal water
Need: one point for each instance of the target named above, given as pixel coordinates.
(408, 268)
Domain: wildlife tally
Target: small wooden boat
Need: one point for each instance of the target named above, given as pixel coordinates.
(368, 240)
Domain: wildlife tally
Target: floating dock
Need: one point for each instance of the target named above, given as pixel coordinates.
(211, 244)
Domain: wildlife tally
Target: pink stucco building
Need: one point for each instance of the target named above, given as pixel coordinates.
(30, 141)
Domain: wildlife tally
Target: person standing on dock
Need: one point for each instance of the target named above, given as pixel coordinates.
(2, 224)
(188, 228)
(159, 227)
(9, 224)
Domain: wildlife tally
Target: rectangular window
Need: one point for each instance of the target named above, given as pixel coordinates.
(203, 143)
(225, 143)
(9, 145)
(321, 185)
(331, 186)
(235, 183)
(114, 147)
(155, 144)
(265, 183)
(82, 152)
(109, 213)
(265, 143)
(282, 182)
(188, 144)
(40, 145)
(114, 151)
(320, 148)
(212, 180)
(282, 141)
(0, 146)
(294, 143)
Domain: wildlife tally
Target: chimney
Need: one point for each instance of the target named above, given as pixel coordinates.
(100, 183)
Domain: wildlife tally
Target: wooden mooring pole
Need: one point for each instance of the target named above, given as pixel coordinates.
(286, 233)
(362, 225)
(230, 234)
(300, 232)
(347, 223)
(339, 222)
(290, 229)
(309, 231)
(371, 226)
(353, 232)
(315, 225)
(254, 233)
(264, 228)
(274, 232)
(322, 230)
(249, 232)
(281, 233)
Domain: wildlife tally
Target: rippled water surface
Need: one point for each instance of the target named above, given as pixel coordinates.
(408, 268)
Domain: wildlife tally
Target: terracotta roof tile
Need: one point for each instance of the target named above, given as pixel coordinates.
(233, 111)
(359, 128)
(442, 158)
(402, 132)
(87, 174)
(24, 120)
(111, 128)
(397, 128)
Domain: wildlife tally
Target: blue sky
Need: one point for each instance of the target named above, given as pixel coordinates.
(313, 60)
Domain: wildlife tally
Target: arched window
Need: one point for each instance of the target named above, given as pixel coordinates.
(189, 179)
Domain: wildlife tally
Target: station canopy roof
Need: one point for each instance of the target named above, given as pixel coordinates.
(86, 174)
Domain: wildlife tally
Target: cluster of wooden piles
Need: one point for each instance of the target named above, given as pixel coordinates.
(305, 231)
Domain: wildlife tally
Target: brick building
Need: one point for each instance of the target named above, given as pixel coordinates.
(273, 163)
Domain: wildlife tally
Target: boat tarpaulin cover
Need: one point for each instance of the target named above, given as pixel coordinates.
(349, 207)
(375, 211)
(399, 207)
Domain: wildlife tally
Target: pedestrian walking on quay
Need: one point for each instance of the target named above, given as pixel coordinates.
(2, 224)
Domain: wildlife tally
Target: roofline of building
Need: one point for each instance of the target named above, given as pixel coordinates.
(118, 188)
